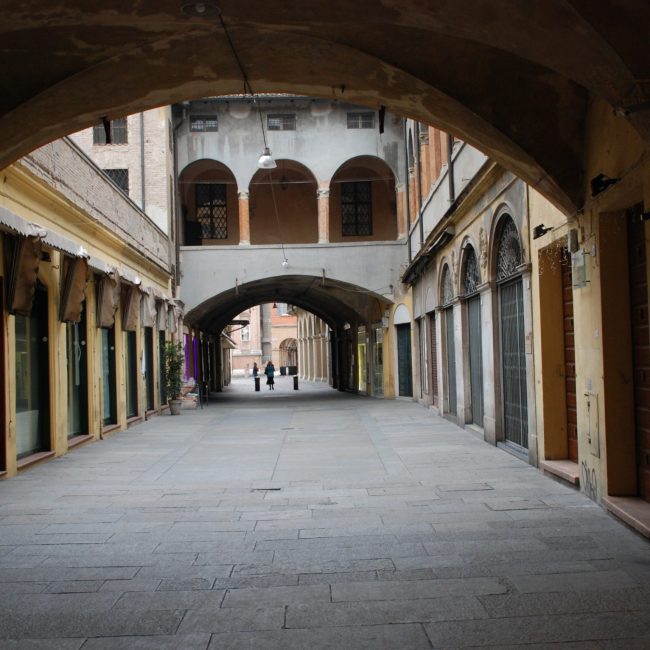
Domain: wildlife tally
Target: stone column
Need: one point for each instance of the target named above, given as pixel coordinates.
(319, 359)
(400, 198)
(489, 347)
(323, 195)
(244, 219)
(413, 207)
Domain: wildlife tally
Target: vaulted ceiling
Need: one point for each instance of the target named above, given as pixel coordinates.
(515, 78)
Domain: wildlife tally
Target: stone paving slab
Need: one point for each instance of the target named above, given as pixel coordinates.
(343, 522)
(374, 637)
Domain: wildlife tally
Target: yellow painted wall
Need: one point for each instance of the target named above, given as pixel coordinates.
(36, 202)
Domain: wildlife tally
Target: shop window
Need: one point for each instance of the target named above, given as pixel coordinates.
(212, 210)
(356, 208)
(32, 378)
(148, 366)
(118, 129)
(161, 366)
(76, 351)
(131, 375)
(109, 411)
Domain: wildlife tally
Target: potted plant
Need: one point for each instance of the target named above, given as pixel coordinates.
(172, 367)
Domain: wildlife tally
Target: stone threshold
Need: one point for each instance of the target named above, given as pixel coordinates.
(111, 428)
(634, 511)
(78, 440)
(32, 459)
(514, 450)
(566, 469)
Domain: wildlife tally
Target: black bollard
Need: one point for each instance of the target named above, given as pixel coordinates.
(257, 384)
(295, 382)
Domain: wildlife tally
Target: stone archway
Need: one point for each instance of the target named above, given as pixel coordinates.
(517, 80)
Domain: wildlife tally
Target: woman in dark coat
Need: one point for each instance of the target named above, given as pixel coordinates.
(269, 371)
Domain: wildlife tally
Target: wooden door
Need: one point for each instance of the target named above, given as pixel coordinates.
(640, 347)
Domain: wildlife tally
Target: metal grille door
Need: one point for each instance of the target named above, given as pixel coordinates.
(451, 359)
(404, 361)
(513, 358)
(434, 359)
(475, 359)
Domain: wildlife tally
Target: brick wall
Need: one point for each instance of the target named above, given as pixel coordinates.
(67, 170)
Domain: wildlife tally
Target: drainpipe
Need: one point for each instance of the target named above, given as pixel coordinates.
(142, 183)
(175, 199)
(407, 193)
(419, 159)
(450, 168)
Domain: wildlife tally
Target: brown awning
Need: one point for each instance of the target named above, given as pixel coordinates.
(108, 297)
(162, 315)
(173, 319)
(73, 289)
(148, 311)
(23, 257)
(130, 308)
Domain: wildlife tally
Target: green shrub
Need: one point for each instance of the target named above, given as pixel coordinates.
(173, 360)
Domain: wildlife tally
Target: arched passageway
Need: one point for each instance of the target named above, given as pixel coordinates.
(532, 84)
(344, 313)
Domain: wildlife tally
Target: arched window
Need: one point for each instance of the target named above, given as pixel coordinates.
(472, 277)
(447, 286)
(508, 250)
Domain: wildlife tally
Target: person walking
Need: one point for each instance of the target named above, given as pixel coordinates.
(269, 371)
(255, 370)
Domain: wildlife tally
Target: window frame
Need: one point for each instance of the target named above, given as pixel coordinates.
(206, 121)
(359, 120)
(119, 133)
(356, 205)
(115, 174)
(281, 121)
(213, 206)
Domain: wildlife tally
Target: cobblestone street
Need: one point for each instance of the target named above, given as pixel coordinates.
(310, 519)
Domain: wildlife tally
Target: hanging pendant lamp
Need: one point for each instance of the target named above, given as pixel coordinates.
(266, 160)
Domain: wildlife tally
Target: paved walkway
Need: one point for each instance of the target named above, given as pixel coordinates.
(310, 520)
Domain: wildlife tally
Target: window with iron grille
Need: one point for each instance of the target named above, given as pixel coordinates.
(281, 122)
(356, 208)
(365, 120)
(211, 210)
(246, 333)
(204, 123)
(120, 177)
(119, 132)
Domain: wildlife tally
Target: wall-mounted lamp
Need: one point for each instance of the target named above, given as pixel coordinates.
(624, 111)
(346, 326)
(540, 230)
(601, 182)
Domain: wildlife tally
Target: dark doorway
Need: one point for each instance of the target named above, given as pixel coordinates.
(404, 371)
(77, 359)
(640, 346)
